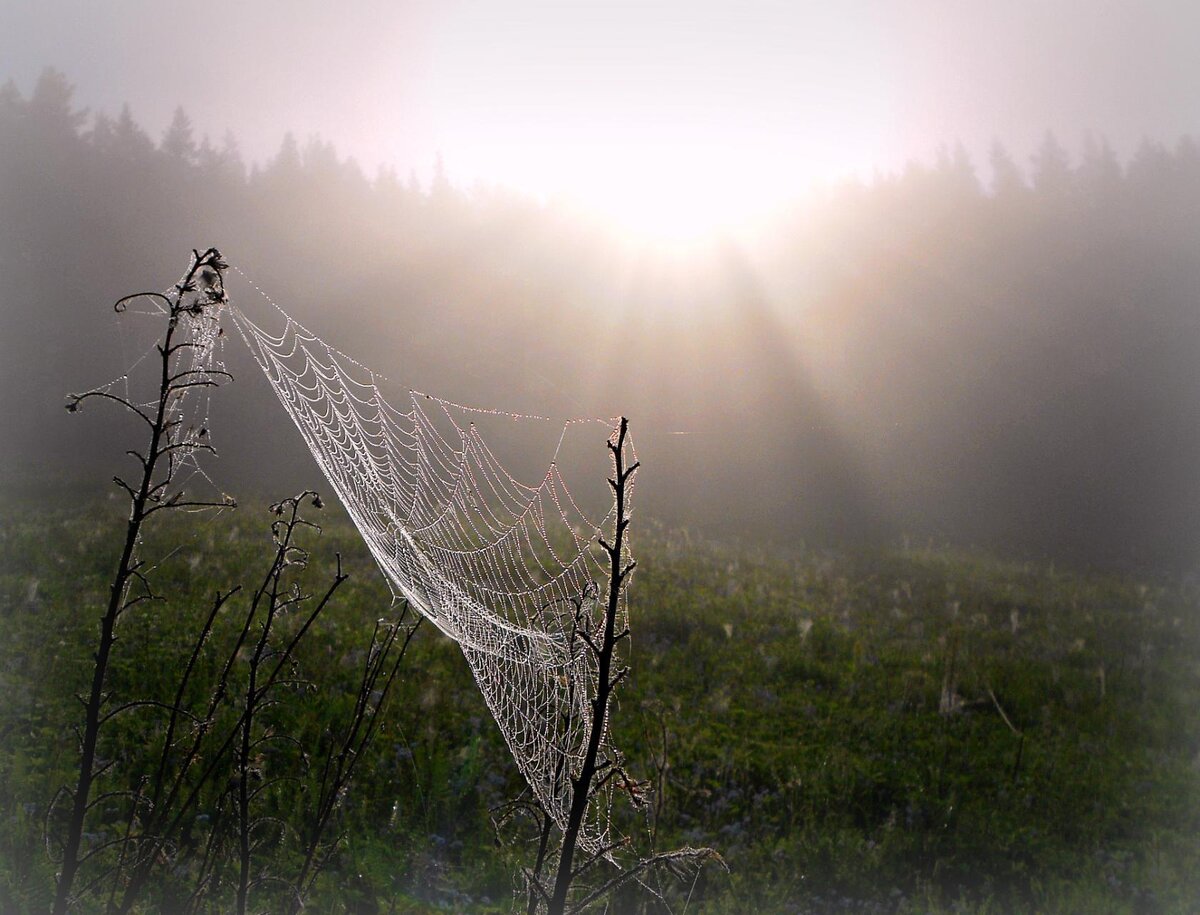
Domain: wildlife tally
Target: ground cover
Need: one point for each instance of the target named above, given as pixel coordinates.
(906, 730)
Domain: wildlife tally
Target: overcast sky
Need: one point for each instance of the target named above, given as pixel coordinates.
(593, 98)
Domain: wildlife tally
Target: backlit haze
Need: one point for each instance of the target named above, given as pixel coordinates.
(670, 119)
(853, 270)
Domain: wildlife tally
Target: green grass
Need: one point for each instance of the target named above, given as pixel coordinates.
(832, 723)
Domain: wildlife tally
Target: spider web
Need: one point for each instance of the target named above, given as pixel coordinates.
(512, 571)
(199, 366)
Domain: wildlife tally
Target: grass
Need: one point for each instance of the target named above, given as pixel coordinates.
(905, 731)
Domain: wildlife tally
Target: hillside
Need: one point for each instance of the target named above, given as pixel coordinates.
(905, 730)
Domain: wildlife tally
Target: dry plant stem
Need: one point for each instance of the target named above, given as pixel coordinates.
(686, 856)
(536, 891)
(536, 875)
(169, 741)
(582, 785)
(270, 593)
(243, 755)
(129, 821)
(145, 499)
(339, 766)
(661, 766)
(169, 818)
(158, 824)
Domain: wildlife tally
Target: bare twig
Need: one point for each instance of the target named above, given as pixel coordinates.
(582, 784)
(162, 431)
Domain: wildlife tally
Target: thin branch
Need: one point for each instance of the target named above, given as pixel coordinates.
(1000, 709)
(161, 430)
(183, 386)
(582, 785)
(146, 703)
(121, 305)
(686, 855)
(206, 373)
(601, 853)
(125, 486)
(77, 399)
(191, 503)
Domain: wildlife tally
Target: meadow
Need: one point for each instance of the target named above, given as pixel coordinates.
(904, 730)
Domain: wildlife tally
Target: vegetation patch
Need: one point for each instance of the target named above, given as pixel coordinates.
(900, 731)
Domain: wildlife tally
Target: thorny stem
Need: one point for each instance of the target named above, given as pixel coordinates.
(162, 429)
(581, 786)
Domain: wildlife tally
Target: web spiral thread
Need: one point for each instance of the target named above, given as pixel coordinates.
(512, 571)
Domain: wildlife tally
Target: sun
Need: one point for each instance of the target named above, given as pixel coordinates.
(675, 197)
(657, 191)
(664, 210)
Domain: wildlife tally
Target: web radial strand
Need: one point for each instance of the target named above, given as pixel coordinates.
(196, 366)
(510, 570)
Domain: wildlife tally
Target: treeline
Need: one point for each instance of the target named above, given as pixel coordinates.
(1011, 365)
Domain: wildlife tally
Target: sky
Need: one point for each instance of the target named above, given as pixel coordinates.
(630, 107)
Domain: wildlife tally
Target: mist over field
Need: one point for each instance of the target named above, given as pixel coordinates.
(1008, 364)
(914, 272)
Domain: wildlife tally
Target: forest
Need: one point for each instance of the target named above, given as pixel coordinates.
(1007, 365)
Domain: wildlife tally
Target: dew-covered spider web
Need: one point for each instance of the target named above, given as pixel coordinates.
(509, 568)
(196, 362)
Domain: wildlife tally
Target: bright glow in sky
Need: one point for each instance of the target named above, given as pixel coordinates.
(672, 116)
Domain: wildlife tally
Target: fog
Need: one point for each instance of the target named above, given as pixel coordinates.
(612, 102)
(985, 343)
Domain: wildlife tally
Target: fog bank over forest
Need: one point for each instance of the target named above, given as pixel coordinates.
(1011, 366)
